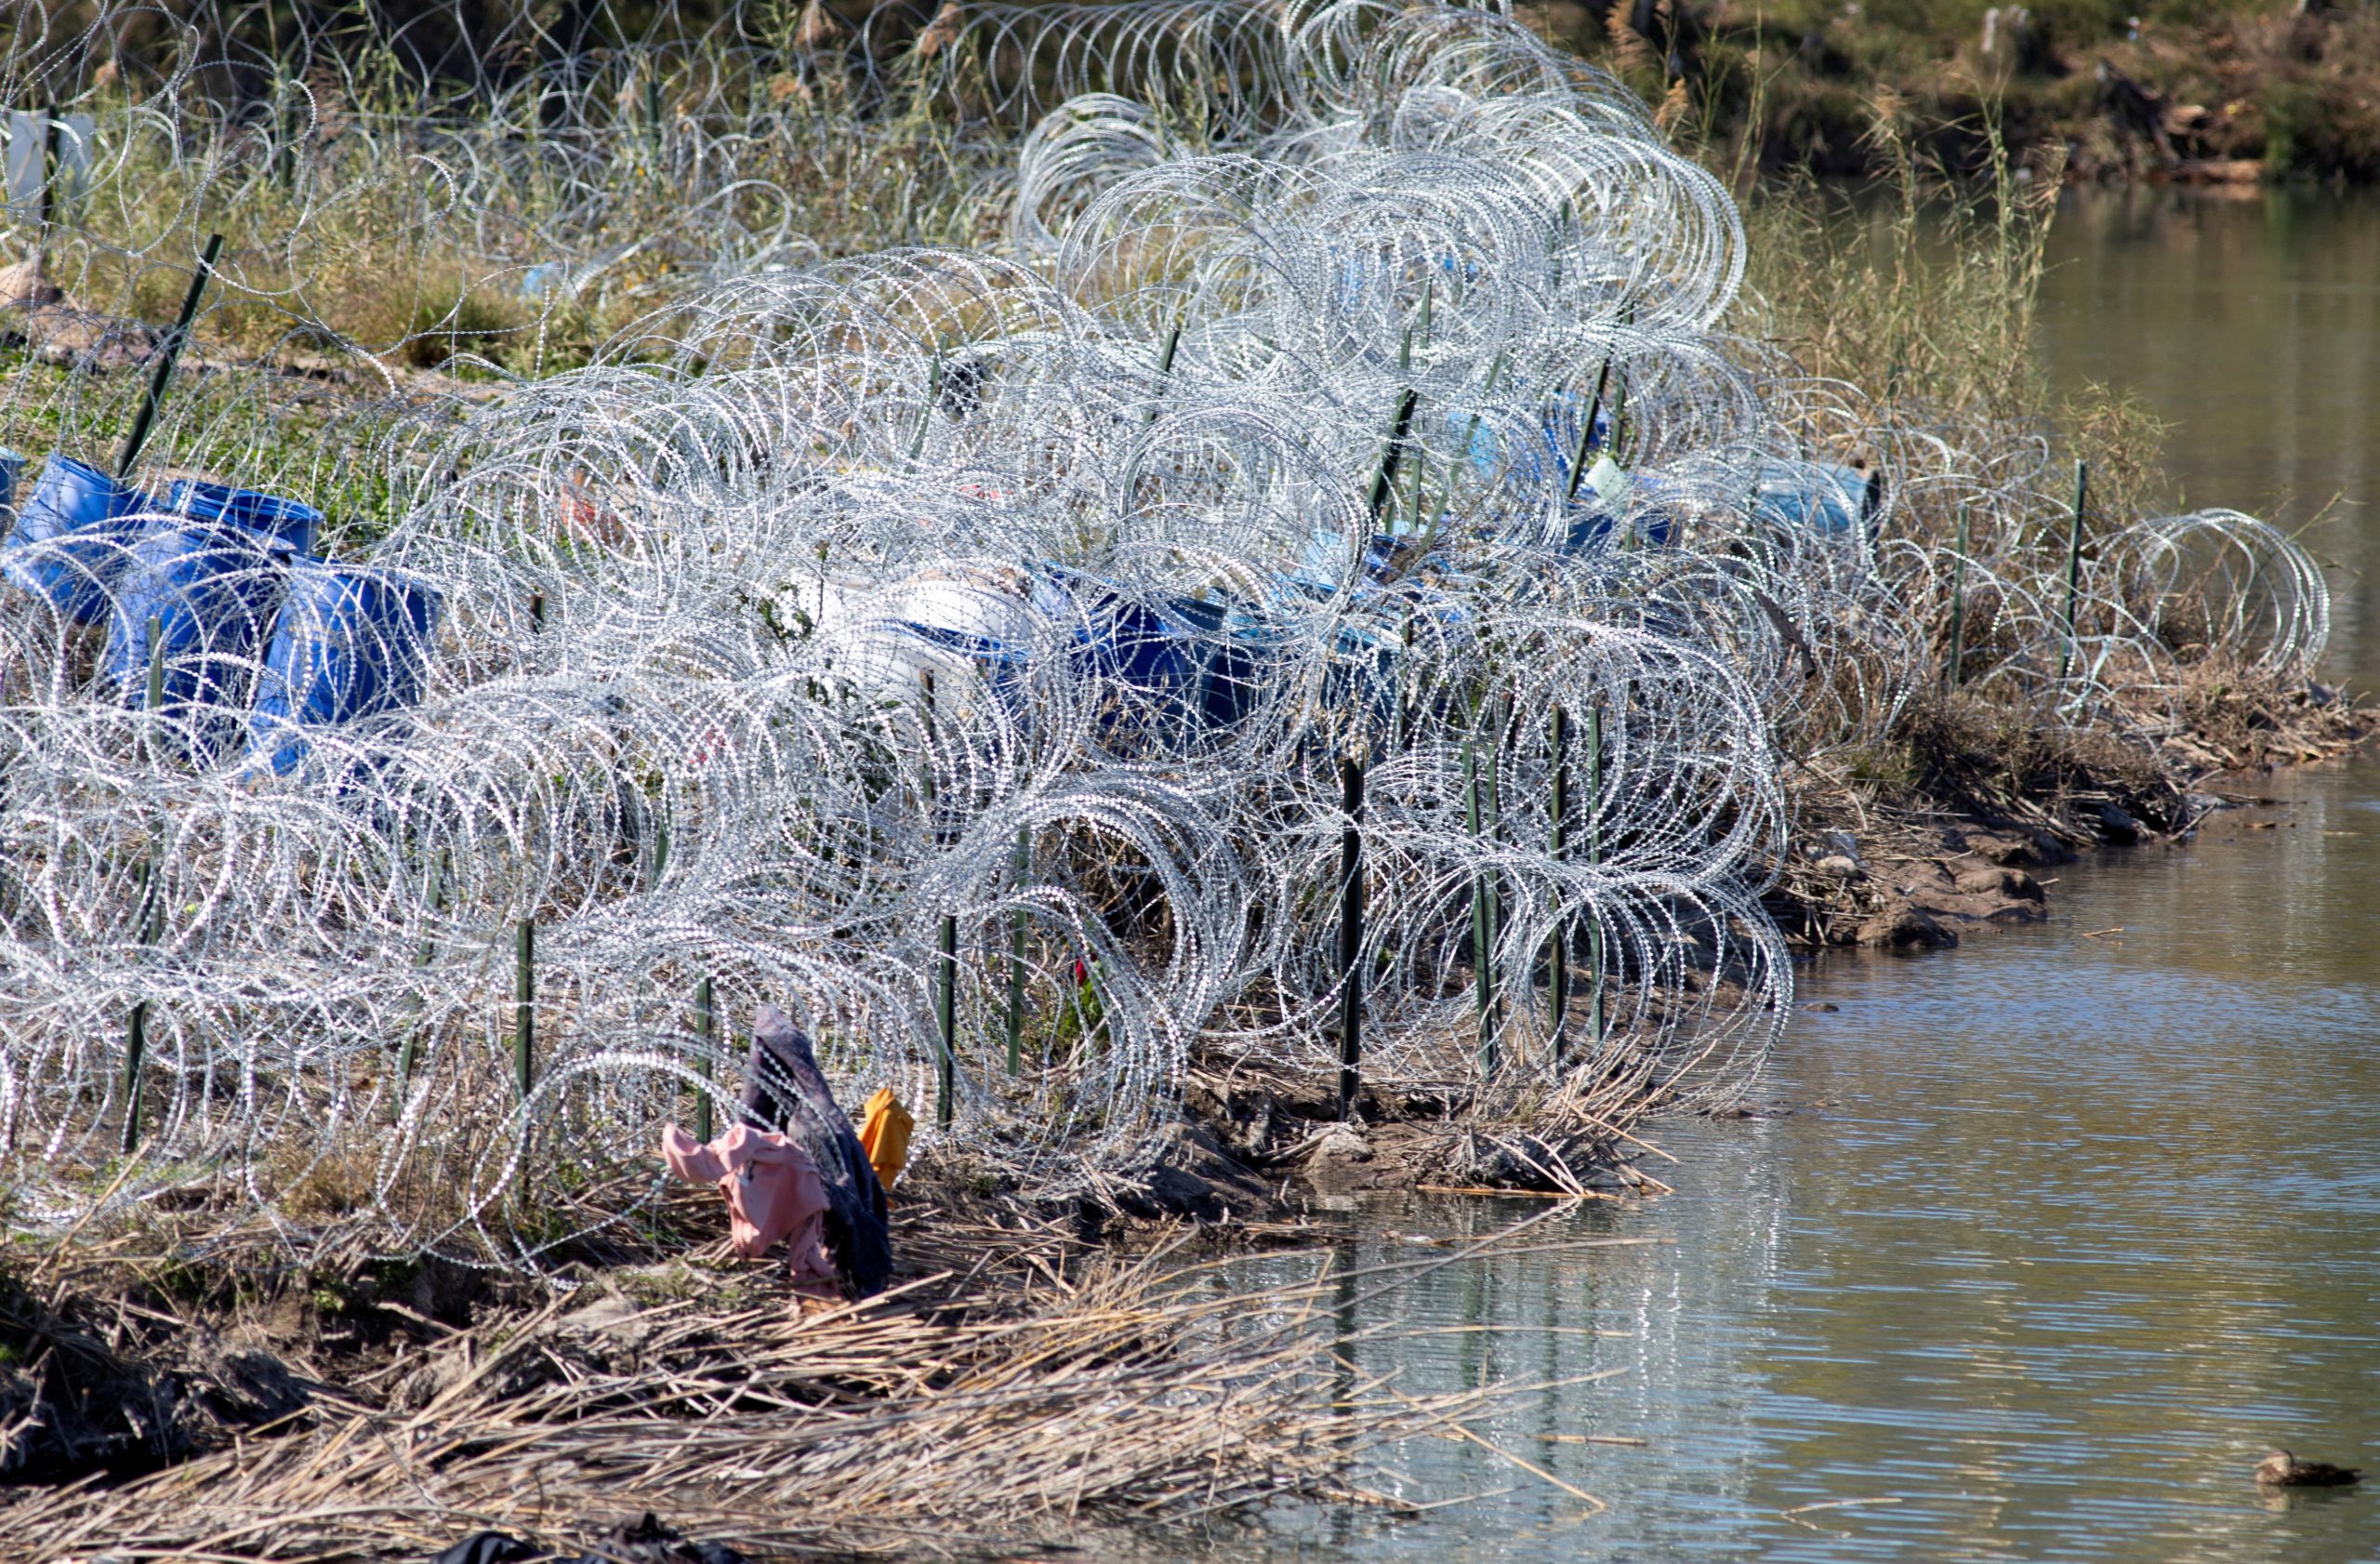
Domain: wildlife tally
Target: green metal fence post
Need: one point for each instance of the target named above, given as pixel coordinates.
(2074, 565)
(169, 353)
(1016, 954)
(1483, 978)
(409, 1052)
(1557, 985)
(524, 1006)
(1958, 606)
(136, 1041)
(1501, 715)
(153, 692)
(706, 1027)
(1164, 369)
(136, 1034)
(1587, 430)
(1594, 855)
(946, 1018)
(1351, 934)
(1384, 478)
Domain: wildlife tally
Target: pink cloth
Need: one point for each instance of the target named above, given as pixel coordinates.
(773, 1192)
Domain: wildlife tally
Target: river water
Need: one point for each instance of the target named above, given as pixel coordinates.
(2249, 321)
(2053, 1235)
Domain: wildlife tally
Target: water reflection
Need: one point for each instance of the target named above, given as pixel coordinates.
(2063, 1233)
(2250, 321)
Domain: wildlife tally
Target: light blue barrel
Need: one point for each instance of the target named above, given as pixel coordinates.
(293, 521)
(350, 643)
(1815, 496)
(73, 536)
(215, 591)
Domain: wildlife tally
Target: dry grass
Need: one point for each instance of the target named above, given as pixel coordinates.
(1015, 1390)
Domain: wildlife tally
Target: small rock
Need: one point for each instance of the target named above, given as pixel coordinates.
(1821, 845)
(613, 1319)
(1838, 866)
(2014, 883)
(1824, 1007)
(1172, 1192)
(2027, 849)
(27, 284)
(1904, 928)
(443, 1372)
(1340, 1162)
(1196, 1177)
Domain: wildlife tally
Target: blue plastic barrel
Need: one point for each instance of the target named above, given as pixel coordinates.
(293, 521)
(349, 643)
(214, 590)
(1230, 677)
(12, 469)
(87, 522)
(1538, 462)
(1591, 525)
(1819, 495)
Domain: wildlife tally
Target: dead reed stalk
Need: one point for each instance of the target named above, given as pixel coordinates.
(925, 1420)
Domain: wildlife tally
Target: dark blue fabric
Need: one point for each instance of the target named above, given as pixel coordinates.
(647, 1542)
(784, 1091)
(488, 1547)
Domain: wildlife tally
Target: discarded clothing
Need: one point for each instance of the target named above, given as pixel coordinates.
(647, 1542)
(488, 1547)
(773, 1190)
(784, 1091)
(651, 1541)
(884, 1132)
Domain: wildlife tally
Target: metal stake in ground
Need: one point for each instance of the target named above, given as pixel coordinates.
(1164, 369)
(945, 977)
(1482, 977)
(704, 1031)
(170, 352)
(946, 1018)
(1958, 606)
(524, 1006)
(1351, 934)
(1384, 479)
(135, 1036)
(1401, 720)
(136, 1042)
(2074, 565)
(1596, 855)
(1494, 801)
(1557, 986)
(1016, 953)
(410, 1049)
(1587, 430)
(48, 194)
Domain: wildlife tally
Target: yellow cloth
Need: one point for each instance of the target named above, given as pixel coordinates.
(884, 1135)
